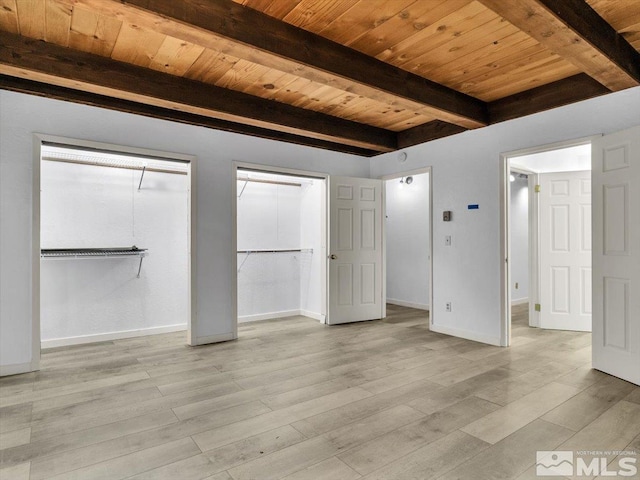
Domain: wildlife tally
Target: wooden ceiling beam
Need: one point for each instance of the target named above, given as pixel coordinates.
(44, 62)
(242, 32)
(30, 87)
(557, 94)
(574, 31)
(427, 132)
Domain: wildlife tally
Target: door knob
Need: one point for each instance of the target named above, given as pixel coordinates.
(333, 256)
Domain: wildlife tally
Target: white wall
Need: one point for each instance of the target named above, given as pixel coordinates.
(23, 115)
(407, 241)
(519, 239)
(84, 206)
(466, 170)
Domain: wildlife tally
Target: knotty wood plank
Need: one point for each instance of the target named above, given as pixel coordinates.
(525, 77)
(58, 21)
(9, 16)
(515, 67)
(31, 18)
(433, 34)
(573, 30)
(445, 43)
(315, 15)
(175, 56)
(93, 33)
(210, 66)
(137, 45)
(86, 98)
(483, 60)
(486, 35)
(405, 24)
(41, 61)
(361, 18)
(293, 50)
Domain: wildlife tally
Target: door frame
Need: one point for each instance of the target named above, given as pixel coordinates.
(505, 232)
(238, 165)
(38, 140)
(393, 176)
(534, 237)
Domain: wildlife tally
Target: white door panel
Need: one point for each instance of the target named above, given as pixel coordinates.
(565, 250)
(616, 254)
(355, 238)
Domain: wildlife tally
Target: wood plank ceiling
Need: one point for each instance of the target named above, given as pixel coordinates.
(360, 76)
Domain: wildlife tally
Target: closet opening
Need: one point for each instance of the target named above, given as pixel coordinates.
(280, 246)
(408, 220)
(112, 235)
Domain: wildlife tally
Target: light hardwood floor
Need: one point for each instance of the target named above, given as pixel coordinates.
(297, 400)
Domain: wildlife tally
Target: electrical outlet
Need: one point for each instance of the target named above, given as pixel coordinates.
(448, 306)
(447, 240)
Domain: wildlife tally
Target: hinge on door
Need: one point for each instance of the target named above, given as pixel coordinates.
(537, 188)
(537, 307)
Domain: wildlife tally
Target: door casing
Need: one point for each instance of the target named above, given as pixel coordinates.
(505, 234)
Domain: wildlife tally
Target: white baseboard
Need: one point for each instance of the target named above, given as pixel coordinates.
(402, 303)
(315, 316)
(519, 301)
(16, 369)
(221, 337)
(283, 314)
(105, 337)
(466, 334)
(268, 316)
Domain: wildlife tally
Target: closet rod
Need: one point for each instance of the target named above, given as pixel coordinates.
(126, 167)
(272, 182)
(308, 250)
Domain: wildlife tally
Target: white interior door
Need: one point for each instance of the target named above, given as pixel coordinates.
(565, 250)
(355, 250)
(616, 254)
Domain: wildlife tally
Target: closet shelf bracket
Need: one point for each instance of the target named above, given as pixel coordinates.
(69, 253)
(140, 266)
(144, 169)
(243, 187)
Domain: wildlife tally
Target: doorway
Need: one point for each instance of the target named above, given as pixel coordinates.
(281, 244)
(112, 243)
(547, 215)
(408, 234)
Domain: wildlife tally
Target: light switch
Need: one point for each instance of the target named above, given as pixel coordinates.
(447, 240)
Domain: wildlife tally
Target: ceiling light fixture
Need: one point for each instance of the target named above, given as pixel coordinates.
(407, 180)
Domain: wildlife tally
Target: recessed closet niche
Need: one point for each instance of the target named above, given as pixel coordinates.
(114, 239)
(281, 246)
